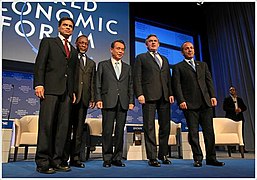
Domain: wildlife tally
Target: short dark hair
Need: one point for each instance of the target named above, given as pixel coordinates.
(120, 41)
(80, 37)
(181, 47)
(150, 35)
(65, 18)
(232, 87)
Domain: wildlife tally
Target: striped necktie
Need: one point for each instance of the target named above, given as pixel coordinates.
(157, 60)
(117, 69)
(191, 63)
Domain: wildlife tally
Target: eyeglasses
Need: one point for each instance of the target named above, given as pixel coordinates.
(232, 90)
(85, 43)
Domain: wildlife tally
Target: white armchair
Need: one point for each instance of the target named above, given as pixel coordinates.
(228, 132)
(26, 131)
(93, 134)
(174, 137)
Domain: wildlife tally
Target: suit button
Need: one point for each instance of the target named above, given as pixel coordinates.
(81, 82)
(66, 75)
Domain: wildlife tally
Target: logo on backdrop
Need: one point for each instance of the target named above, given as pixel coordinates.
(47, 13)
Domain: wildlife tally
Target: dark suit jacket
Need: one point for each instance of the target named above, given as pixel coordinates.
(85, 81)
(52, 69)
(190, 86)
(150, 80)
(229, 108)
(108, 87)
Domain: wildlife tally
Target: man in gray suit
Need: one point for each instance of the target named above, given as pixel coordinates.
(114, 96)
(152, 85)
(194, 92)
(85, 89)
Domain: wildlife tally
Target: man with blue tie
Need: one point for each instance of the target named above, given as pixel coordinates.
(194, 92)
(114, 96)
(152, 86)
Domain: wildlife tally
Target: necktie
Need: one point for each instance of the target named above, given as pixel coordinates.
(157, 59)
(82, 58)
(117, 69)
(66, 48)
(192, 64)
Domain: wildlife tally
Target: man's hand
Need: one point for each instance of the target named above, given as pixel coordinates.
(213, 102)
(141, 99)
(91, 104)
(183, 105)
(99, 104)
(74, 98)
(40, 92)
(131, 106)
(171, 98)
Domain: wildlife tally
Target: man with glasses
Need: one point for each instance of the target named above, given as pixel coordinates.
(234, 107)
(84, 88)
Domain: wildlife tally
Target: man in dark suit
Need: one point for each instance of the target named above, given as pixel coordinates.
(53, 82)
(234, 107)
(114, 96)
(152, 86)
(85, 89)
(194, 92)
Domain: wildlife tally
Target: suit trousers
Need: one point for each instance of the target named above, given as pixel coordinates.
(76, 125)
(163, 111)
(53, 128)
(111, 115)
(203, 117)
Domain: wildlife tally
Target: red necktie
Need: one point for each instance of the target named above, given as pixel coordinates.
(66, 48)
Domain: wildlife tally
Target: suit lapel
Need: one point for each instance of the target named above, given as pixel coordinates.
(187, 66)
(110, 66)
(88, 64)
(123, 70)
(60, 44)
(153, 62)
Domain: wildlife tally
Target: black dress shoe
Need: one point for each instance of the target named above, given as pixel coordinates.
(215, 163)
(62, 168)
(45, 170)
(64, 163)
(154, 163)
(165, 160)
(198, 164)
(77, 164)
(118, 163)
(107, 163)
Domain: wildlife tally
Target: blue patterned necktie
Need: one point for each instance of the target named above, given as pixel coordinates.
(117, 69)
(157, 59)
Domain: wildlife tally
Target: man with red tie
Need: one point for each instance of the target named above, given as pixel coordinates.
(53, 83)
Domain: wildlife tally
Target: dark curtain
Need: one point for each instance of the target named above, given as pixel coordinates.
(231, 39)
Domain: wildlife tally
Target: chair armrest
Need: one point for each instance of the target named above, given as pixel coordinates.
(178, 136)
(18, 132)
(240, 133)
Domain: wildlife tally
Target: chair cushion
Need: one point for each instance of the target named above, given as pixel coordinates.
(28, 138)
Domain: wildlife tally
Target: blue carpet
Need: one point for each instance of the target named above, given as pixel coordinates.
(234, 168)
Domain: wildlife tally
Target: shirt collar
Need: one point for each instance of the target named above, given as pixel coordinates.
(62, 37)
(187, 60)
(114, 61)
